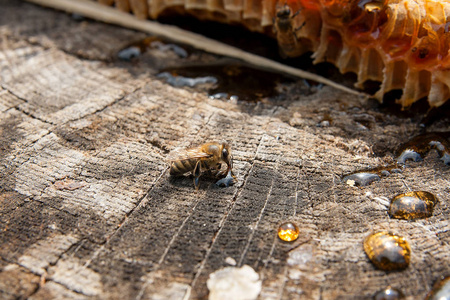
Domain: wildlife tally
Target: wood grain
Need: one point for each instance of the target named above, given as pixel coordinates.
(88, 211)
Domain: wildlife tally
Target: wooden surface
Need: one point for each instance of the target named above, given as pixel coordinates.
(88, 210)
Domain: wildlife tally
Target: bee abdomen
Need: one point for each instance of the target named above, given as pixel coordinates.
(180, 167)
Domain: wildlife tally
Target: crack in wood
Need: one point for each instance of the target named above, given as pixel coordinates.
(28, 114)
(217, 233)
(44, 278)
(296, 191)
(175, 236)
(44, 275)
(121, 225)
(255, 227)
(116, 101)
(223, 220)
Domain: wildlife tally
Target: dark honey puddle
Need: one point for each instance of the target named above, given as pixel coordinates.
(230, 81)
(415, 150)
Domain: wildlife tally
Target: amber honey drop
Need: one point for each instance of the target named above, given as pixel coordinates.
(389, 294)
(440, 291)
(288, 232)
(387, 251)
(412, 205)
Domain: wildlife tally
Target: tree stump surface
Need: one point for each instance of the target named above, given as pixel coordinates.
(88, 210)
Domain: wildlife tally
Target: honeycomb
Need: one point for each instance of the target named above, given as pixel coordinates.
(403, 44)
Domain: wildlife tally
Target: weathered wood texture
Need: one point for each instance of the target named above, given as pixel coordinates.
(88, 210)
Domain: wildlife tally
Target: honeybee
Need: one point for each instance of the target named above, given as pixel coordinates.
(285, 30)
(204, 158)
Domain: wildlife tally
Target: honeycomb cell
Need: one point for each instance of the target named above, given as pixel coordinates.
(364, 27)
(425, 51)
(288, 232)
(387, 251)
(412, 205)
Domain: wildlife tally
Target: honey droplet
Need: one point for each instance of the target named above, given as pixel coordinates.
(288, 232)
(412, 205)
(440, 291)
(389, 294)
(387, 251)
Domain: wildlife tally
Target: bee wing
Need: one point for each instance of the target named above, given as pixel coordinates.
(183, 154)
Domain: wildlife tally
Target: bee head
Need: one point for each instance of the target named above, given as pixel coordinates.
(226, 154)
(284, 13)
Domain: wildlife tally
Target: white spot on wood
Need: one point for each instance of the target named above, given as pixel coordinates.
(350, 182)
(234, 283)
(231, 261)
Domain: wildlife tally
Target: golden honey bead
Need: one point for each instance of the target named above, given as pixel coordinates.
(387, 251)
(288, 232)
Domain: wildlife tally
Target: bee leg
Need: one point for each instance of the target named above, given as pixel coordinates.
(297, 29)
(296, 13)
(197, 172)
(217, 170)
(230, 179)
(213, 170)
